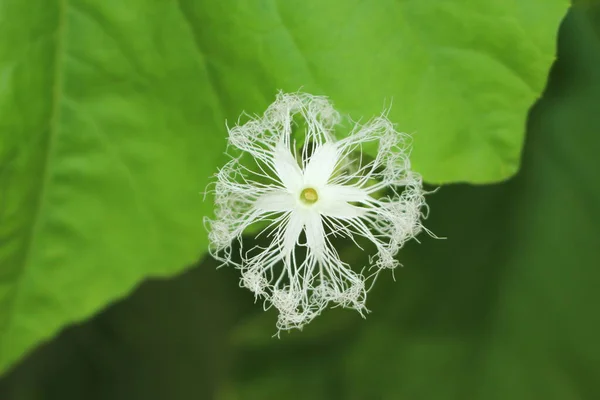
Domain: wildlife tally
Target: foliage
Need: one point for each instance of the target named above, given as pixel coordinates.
(111, 122)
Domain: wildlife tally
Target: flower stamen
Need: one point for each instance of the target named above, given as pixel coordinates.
(309, 196)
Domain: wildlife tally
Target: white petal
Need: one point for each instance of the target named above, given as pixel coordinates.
(315, 234)
(341, 210)
(321, 165)
(292, 231)
(343, 193)
(287, 168)
(277, 200)
(334, 201)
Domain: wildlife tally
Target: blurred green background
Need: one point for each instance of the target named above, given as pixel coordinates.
(506, 307)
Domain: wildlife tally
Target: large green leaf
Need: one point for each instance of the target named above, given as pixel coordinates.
(461, 74)
(111, 120)
(505, 308)
(109, 130)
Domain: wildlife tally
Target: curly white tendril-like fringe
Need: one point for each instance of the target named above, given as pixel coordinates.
(308, 196)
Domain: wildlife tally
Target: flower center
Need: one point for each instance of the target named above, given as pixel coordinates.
(309, 196)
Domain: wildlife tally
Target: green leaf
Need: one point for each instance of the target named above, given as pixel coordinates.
(110, 130)
(111, 120)
(460, 74)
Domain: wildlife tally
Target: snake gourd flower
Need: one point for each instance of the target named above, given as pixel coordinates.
(305, 196)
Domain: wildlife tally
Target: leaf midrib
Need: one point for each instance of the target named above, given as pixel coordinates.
(57, 93)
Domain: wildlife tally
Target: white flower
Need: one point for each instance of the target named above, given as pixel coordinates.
(306, 196)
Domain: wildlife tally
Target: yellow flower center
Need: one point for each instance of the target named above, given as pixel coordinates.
(309, 196)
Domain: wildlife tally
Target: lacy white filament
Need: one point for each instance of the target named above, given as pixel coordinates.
(308, 196)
